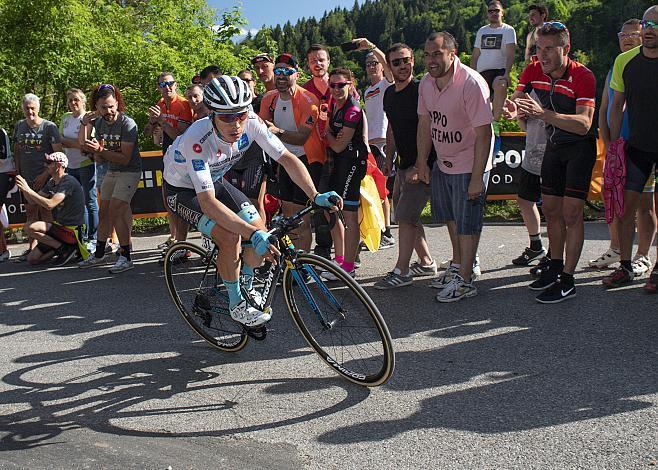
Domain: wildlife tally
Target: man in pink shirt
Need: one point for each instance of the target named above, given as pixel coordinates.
(454, 114)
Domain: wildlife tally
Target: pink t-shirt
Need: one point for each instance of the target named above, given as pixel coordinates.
(454, 112)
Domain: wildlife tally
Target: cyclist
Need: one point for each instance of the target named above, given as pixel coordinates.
(195, 189)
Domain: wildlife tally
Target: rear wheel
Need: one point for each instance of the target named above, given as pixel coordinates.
(340, 322)
(200, 296)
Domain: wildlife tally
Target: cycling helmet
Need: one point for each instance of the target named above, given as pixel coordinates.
(227, 94)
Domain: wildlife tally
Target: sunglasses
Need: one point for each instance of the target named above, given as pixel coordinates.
(374, 63)
(232, 117)
(284, 71)
(628, 35)
(340, 85)
(647, 24)
(398, 62)
(495, 10)
(554, 25)
(169, 84)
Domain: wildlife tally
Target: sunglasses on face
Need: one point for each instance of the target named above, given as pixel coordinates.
(284, 71)
(398, 62)
(647, 24)
(232, 117)
(340, 85)
(634, 34)
(167, 84)
(374, 63)
(494, 10)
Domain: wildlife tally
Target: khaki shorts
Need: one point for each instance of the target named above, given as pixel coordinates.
(409, 199)
(120, 185)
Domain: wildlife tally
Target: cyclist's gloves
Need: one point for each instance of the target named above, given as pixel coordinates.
(261, 241)
(322, 199)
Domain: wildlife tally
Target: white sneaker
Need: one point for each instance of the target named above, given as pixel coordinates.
(92, 261)
(5, 256)
(121, 265)
(445, 278)
(249, 316)
(607, 259)
(456, 290)
(327, 276)
(641, 264)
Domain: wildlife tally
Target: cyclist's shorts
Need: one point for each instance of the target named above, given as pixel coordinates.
(289, 191)
(567, 169)
(639, 168)
(345, 179)
(185, 203)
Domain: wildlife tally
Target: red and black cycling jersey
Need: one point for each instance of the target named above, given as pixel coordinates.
(577, 87)
(349, 115)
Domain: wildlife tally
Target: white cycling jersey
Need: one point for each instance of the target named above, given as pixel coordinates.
(199, 157)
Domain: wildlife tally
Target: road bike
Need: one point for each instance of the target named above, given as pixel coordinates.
(338, 319)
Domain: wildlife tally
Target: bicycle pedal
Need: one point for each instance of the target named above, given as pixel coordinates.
(258, 332)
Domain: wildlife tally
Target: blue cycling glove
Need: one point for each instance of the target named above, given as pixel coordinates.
(322, 199)
(260, 239)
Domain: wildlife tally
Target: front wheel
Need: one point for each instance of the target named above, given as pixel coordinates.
(200, 296)
(339, 321)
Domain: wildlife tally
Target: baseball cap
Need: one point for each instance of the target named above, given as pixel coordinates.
(59, 157)
(261, 58)
(287, 59)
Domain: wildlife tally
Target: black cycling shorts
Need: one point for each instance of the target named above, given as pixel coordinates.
(289, 191)
(566, 170)
(639, 165)
(345, 179)
(185, 203)
(529, 186)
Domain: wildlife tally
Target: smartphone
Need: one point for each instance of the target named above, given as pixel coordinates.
(349, 46)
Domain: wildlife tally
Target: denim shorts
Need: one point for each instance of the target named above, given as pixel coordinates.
(450, 201)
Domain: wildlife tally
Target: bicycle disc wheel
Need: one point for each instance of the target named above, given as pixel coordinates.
(200, 296)
(340, 322)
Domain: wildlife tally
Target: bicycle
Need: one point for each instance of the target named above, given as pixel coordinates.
(338, 319)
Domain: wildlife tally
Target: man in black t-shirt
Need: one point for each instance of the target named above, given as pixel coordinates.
(62, 195)
(410, 195)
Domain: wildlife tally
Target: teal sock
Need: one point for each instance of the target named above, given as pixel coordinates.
(234, 293)
(247, 273)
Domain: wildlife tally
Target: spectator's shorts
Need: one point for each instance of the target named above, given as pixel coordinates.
(639, 169)
(409, 199)
(450, 201)
(345, 179)
(63, 234)
(566, 170)
(289, 191)
(120, 185)
(529, 186)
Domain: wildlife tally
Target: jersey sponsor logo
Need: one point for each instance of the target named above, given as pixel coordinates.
(269, 134)
(198, 165)
(243, 142)
(205, 137)
(197, 148)
(179, 157)
(352, 115)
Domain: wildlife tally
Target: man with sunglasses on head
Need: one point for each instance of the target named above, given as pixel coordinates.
(634, 82)
(566, 90)
(194, 170)
(410, 196)
(291, 113)
(494, 47)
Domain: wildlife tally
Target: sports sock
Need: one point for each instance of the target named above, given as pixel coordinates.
(100, 248)
(626, 263)
(348, 267)
(387, 232)
(248, 273)
(340, 259)
(535, 242)
(125, 251)
(234, 293)
(655, 268)
(556, 265)
(567, 279)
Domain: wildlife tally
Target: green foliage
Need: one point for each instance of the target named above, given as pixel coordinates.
(49, 46)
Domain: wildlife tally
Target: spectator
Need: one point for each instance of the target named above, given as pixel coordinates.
(495, 46)
(379, 75)
(264, 67)
(194, 95)
(455, 115)
(81, 165)
(567, 108)
(116, 142)
(629, 38)
(62, 195)
(348, 155)
(33, 138)
(319, 61)
(208, 73)
(631, 80)
(7, 180)
(410, 197)
(537, 16)
(291, 113)
(248, 78)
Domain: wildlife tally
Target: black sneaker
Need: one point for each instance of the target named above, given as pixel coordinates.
(66, 253)
(546, 279)
(543, 265)
(528, 256)
(556, 293)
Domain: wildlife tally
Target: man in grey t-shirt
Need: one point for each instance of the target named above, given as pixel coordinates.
(63, 196)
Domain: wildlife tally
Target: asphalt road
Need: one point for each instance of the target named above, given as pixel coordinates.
(99, 371)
